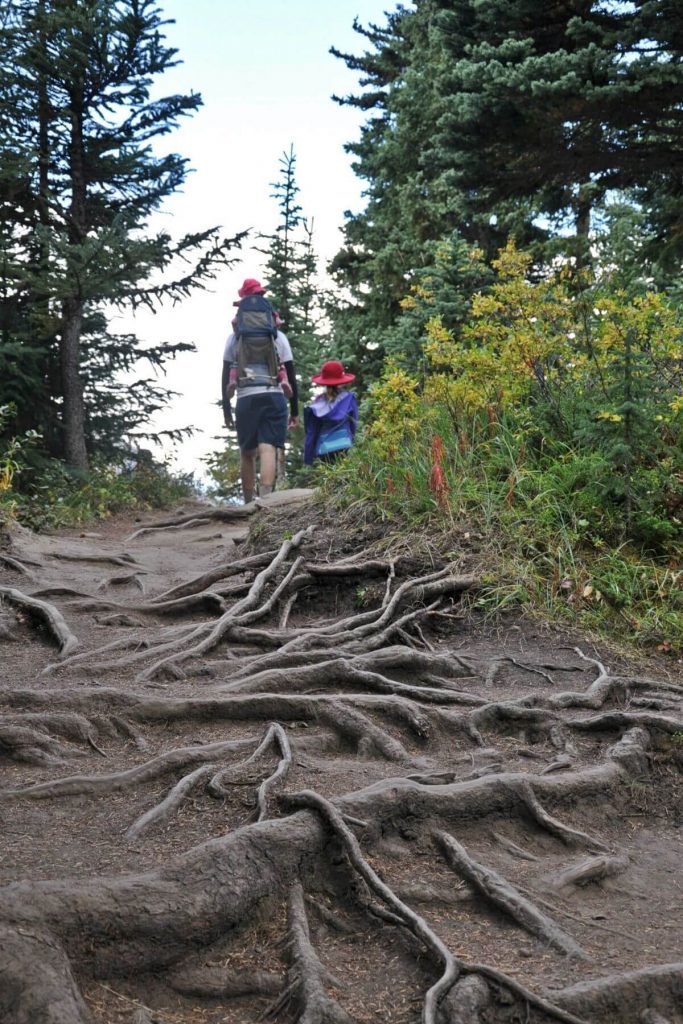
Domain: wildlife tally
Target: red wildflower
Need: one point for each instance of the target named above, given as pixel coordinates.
(437, 479)
(492, 420)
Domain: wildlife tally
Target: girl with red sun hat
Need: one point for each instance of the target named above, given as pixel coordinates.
(330, 421)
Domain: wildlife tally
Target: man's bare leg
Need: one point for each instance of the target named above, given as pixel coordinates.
(248, 474)
(268, 459)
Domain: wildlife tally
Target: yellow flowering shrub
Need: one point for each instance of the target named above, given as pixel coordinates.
(396, 410)
(546, 339)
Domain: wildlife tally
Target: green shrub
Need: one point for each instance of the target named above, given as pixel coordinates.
(552, 424)
(46, 494)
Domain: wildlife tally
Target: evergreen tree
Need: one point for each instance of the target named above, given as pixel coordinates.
(499, 117)
(554, 109)
(76, 208)
(443, 291)
(282, 262)
(409, 206)
(291, 271)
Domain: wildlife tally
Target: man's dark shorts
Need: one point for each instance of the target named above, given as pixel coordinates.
(261, 419)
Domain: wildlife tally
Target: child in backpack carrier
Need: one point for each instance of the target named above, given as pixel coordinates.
(330, 421)
(281, 373)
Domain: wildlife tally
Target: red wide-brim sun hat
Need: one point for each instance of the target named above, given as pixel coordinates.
(250, 286)
(332, 374)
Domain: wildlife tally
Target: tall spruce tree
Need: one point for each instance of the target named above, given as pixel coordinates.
(291, 271)
(498, 117)
(76, 206)
(409, 207)
(370, 269)
(556, 108)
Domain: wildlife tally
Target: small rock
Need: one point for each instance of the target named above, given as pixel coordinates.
(143, 1016)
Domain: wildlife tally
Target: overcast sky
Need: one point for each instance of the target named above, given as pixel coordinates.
(266, 78)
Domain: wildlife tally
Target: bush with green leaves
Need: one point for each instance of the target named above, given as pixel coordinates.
(551, 423)
(41, 493)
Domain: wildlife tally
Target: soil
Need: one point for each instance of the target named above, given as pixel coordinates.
(450, 819)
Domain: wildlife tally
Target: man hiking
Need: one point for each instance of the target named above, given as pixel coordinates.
(258, 367)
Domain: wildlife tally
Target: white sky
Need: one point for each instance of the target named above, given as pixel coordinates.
(266, 78)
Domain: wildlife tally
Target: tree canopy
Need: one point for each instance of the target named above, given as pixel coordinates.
(81, 174)
(492, 118)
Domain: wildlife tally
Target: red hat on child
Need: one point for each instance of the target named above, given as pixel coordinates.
(251, 287)
(332, 374)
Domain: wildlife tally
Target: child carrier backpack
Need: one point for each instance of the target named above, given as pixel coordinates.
(255, 329)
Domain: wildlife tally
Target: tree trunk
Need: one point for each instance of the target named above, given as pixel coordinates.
(44, 322)
(70, 347)
(73, 417)
(583, 225)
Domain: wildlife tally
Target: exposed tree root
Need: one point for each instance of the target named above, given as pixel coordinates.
(347, 672)
(187, 524)
(6, 630)
(124, 559)
(138, 922)
(416, 924)
(287, 606)
(135, 931)
(368, 688)
(225, 514)
(274, 735)
(517, 712)
(497, 890)
(31, 746)
(47, 613)
(165, 809)
(591, 869)
(513, 848)
(307, 977)
(242, 613)
(36, 982)
(466, 1001)
(221, 983)
(94, 785)
(413, 921)
(130, 579)
(436, 670)
(615, 721)
(375, 623)
(625, 997)
(59, 592)
(135, 643)
(570, 836)
(15, 564)
(459, 803)
(606, 686)
(368, 631)
(223, 572)
(28, 737)
(207, 600)
(334, 713)
(278, 735)
(497, 664)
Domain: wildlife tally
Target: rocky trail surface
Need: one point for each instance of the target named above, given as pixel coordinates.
(252, 770)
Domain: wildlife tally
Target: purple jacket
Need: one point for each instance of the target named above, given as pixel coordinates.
(329, 426)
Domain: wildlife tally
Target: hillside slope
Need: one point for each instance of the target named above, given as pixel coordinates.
(250, 767)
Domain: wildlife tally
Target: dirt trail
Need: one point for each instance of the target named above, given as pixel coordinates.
(250, 771)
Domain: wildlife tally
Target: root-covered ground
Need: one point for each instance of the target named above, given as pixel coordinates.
(289, 777)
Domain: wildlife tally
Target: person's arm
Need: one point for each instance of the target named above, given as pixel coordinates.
(229, 378)
(287, 360)
(294, 400)
(225, 396)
